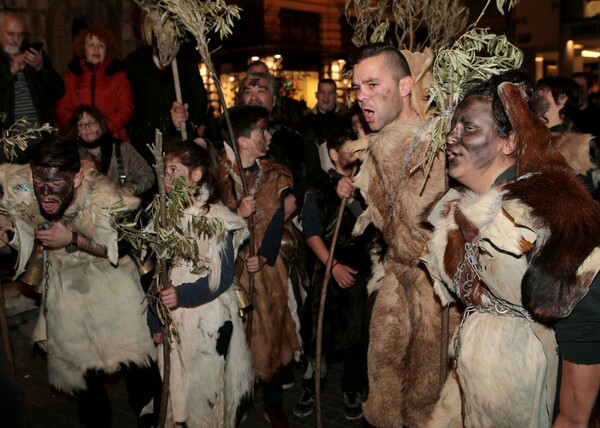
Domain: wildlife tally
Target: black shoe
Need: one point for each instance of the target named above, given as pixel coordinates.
(306, 404)
(352, 406)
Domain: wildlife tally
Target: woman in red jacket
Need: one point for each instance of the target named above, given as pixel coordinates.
(97, 79)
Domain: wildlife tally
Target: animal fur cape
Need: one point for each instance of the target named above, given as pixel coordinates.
(96, 311)
(207, 386)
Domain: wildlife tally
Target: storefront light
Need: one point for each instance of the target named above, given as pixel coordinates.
(590, 54)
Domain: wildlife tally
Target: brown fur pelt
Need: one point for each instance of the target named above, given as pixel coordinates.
(405, 331)
(557, 277)
(274, 336)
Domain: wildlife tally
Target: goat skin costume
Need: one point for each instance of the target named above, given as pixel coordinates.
(520, 256)
(96, 311)
(405, 329)
(206, 386)
(275, 327)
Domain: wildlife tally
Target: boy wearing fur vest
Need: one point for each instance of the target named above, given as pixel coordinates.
(274, 329)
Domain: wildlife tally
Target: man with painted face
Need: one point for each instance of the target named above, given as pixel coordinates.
(92, 319)
(405, 330)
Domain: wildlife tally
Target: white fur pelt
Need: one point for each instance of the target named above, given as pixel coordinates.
(206, 388)
(506, 365)
(96, 311)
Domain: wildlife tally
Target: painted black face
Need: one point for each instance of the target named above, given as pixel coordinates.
(54, 191)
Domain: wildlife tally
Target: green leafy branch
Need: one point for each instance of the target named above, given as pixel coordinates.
(18, 135)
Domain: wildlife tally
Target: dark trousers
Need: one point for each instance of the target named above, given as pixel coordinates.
(143, 384)
(272, 391)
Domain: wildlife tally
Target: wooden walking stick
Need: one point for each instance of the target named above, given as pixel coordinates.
(321, 314)
(178, 96)
(163, 279)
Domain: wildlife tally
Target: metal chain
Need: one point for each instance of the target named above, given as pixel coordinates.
(46, 280)
(499, 306)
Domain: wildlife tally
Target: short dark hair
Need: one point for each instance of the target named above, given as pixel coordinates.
(243, 120)
(338, 137)
(393, 57)
(56, 153)
(489, 89)
(562, 86)
(326, 82)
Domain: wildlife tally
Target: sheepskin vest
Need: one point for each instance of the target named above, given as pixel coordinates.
(275, 331)
(406, 318)
(93, 309)
(515, 384)
(208, 380)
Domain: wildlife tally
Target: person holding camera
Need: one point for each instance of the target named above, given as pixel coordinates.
(27, 79)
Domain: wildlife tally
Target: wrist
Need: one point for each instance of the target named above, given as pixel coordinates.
(73, 246)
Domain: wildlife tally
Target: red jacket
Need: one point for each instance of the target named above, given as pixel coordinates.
(104, 86)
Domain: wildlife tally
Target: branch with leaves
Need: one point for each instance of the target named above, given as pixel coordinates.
(19, 134)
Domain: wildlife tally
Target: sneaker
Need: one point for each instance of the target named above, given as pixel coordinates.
(352, 406)
(287, 377)
(306, 404)
(275, 414)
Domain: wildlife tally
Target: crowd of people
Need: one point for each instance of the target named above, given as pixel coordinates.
(475, 304)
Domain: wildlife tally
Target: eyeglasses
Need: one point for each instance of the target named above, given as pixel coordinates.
(85, 125)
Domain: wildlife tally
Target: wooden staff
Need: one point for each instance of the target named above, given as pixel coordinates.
(164, 276)
(178, 96)
(327, 277)
(238, 161)
(445, 337)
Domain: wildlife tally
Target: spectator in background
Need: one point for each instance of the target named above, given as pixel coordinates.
(98, 79)
(27, 79)
(556, 99)
(288, 108)
(153, 90)
(325, 118)
(121, 163)
(587, 118)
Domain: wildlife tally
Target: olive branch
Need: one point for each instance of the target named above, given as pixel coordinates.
(18, 135)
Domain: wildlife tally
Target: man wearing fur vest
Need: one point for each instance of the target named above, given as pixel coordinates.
(406, 328)
(92, 319)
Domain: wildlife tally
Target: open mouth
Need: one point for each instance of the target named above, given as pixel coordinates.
(49, 205)
(450, 155)
(369, 115)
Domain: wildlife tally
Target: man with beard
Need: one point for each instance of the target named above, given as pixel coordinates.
(405, 330)
(27, 79)
(92, 319)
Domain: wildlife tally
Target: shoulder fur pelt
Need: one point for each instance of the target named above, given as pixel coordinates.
(563, 266)
(95, 306)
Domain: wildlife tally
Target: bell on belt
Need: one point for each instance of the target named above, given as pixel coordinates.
(34, 270)
(243, 299)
